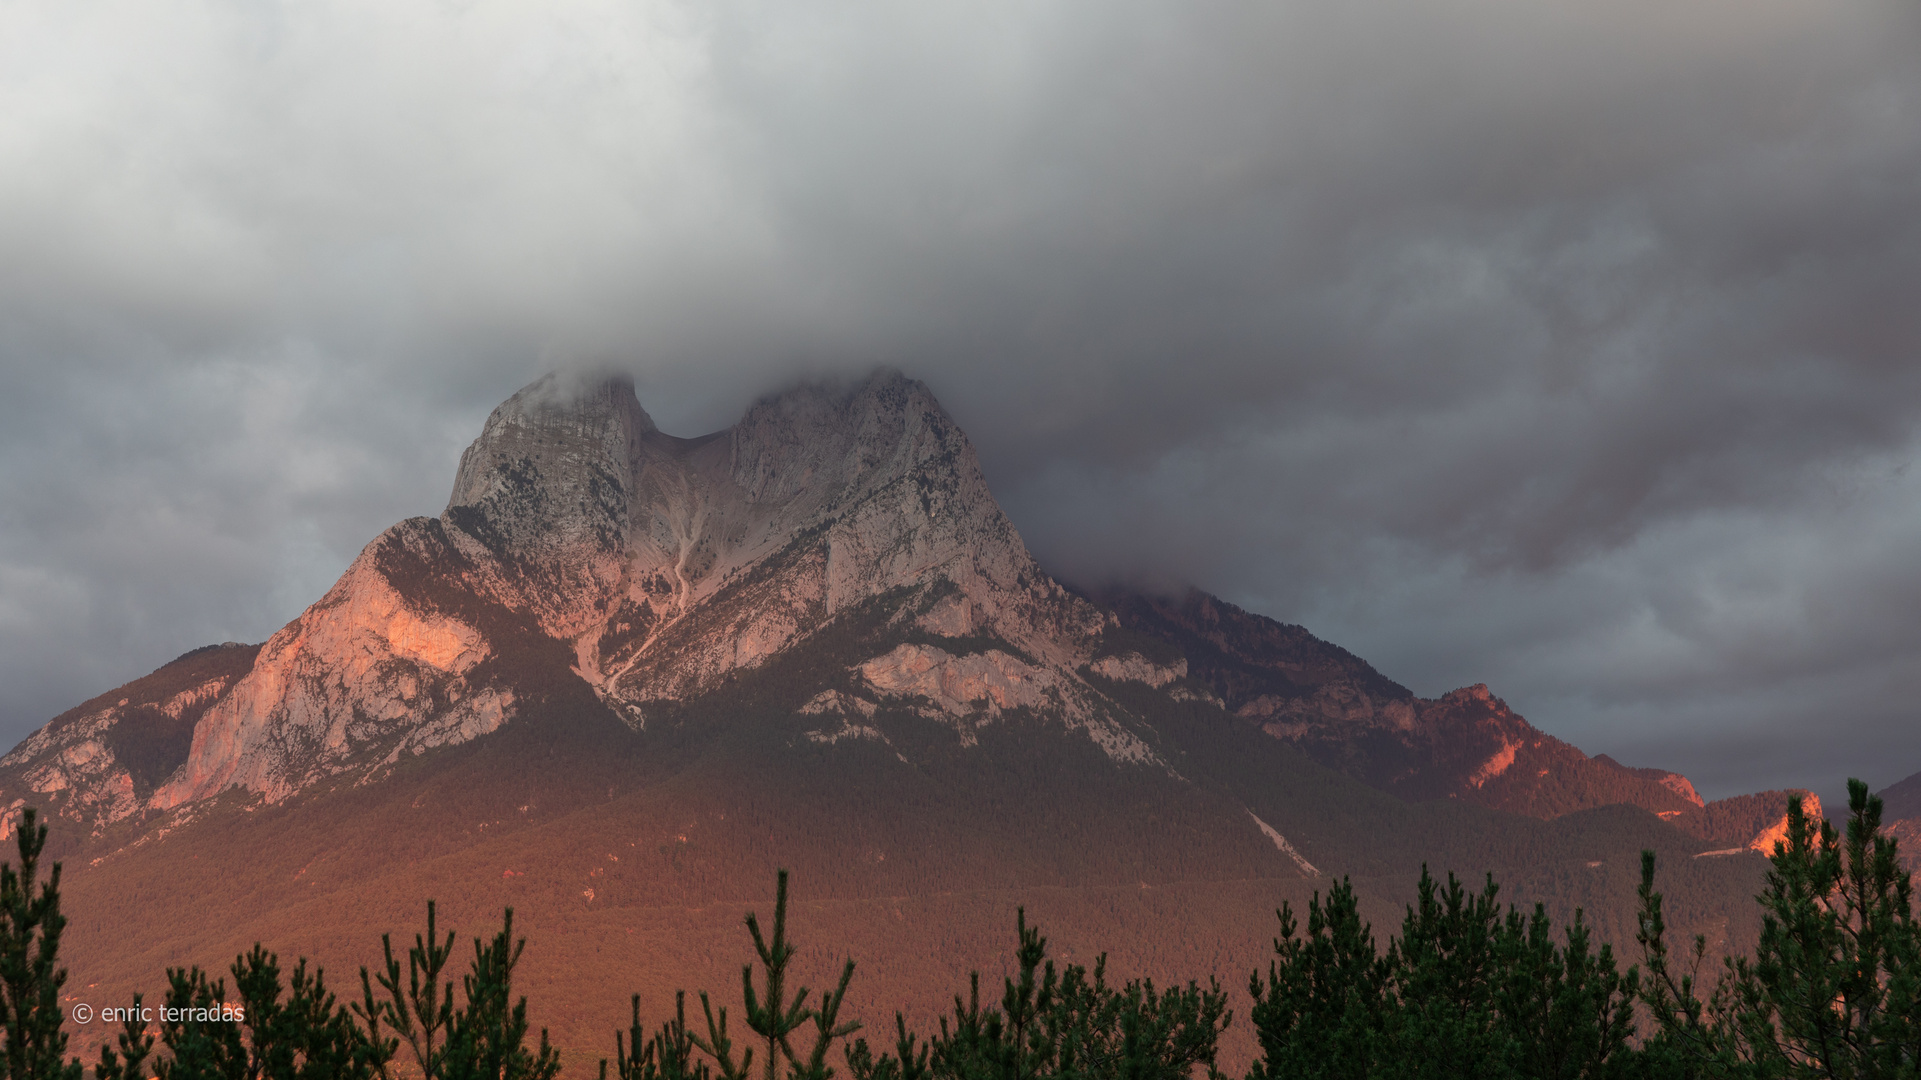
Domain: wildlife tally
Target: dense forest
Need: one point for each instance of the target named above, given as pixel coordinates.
(1467, 987)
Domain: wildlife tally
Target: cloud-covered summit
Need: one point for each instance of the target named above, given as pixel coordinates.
(1569, 348)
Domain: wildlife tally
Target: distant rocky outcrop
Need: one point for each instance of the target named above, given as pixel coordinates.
(1746, 822)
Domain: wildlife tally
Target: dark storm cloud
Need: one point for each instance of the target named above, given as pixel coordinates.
(1570, 348)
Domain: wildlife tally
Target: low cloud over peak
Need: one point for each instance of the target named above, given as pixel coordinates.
(1567, 348)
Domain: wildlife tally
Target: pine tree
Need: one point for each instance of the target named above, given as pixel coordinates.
(668, 1055)
(126, 1057)
(1321, 1011)
(993, 1044)
(1834, 988)
(720, 1046)
(1137, 1033)
(306, 1036)
(30, 975)
(487, 1039)
(420, 1012)
(200, 1030)
(484, 1040)
(1476, 991)
(1059, 1024)
(771, 1014)
(1567, 1010)
(909, 1061)
(1465, 990)
(270, 1030)
(1441, 1019)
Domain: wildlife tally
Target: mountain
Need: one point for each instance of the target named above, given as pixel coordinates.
(585, 551)
(1901, 813)
(625, 675)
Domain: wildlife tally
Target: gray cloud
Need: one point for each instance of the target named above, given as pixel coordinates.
(1570, 348)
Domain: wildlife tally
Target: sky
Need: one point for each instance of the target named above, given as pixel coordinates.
(1571, 348)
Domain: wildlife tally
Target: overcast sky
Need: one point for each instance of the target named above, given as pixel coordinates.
(1570, 347)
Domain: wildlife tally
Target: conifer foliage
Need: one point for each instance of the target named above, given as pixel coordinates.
(125, 1058)
(1067, 1024)
(1465, 990)
(773, 1018)
(770, 1014)
(1050, 1024)
(419, 1013)
(484, 1040)
(667, 1055)
(270, 1029)
(487, 1039)
(266, 1030)
(30, 975)
(1834, 988)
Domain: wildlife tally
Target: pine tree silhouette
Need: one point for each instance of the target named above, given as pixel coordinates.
(421, 1012)
(487, 1039)
(1465, 990)
(667, 1055)
(1834, 987)
(270, 1030)
(771, 1014)
(126, 1057)
(774, 1017)
(30, 975)
(1059, 1024)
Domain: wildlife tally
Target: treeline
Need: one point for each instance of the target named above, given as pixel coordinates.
(1468, 988)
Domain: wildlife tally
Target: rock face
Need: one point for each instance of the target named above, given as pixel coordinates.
(101, 761)
(586, 557)
(667, 562)
(1745, 822)
(365, 672)
(581, 539)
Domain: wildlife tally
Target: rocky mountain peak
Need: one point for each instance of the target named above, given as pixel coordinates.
(553, 465)
(586, 554)
(838, 441)
(596, 417)
(851, 490)
(571, 463)
(589, 501)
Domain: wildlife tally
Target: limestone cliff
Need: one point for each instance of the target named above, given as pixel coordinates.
(644, 566)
